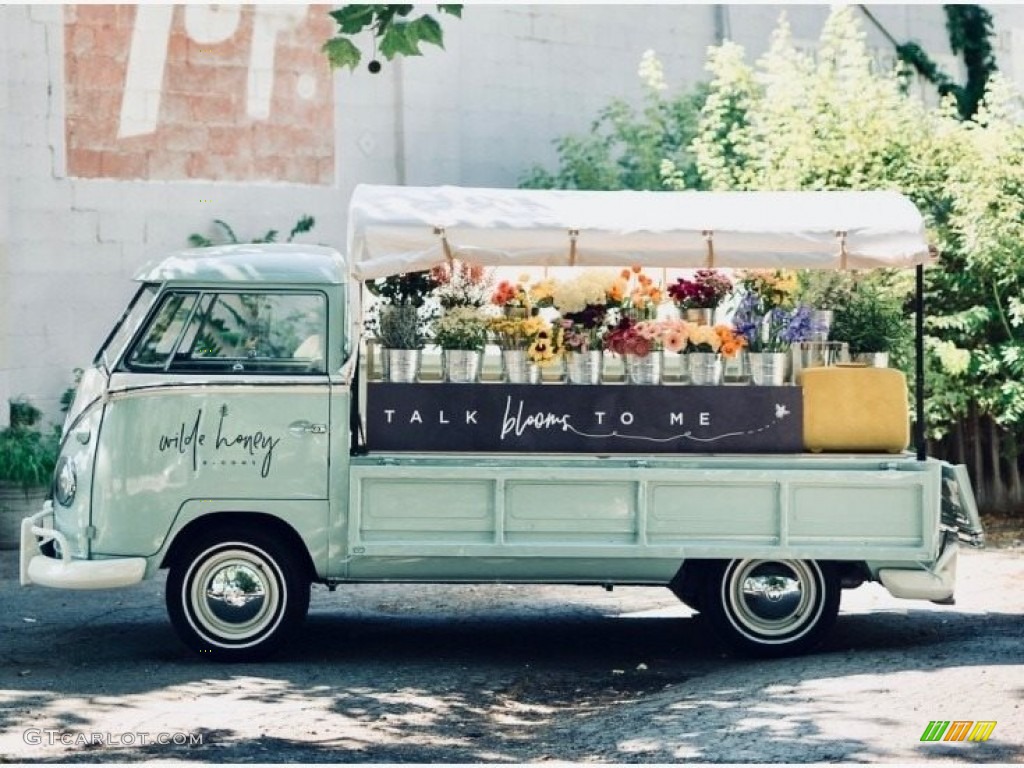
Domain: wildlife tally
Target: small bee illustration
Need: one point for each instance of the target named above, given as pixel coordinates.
(781, 411)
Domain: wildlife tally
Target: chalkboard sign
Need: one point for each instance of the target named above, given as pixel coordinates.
(525, 418)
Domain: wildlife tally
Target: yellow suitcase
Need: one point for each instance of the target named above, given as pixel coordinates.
(855, 408)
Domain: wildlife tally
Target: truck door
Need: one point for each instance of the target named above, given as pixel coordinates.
(221, 403)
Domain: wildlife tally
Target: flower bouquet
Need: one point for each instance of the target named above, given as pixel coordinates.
(640, 295)
(769, 335)
(462, 334)
(584, 303)
(526, 343)
(704, 292)
(705, 347)
(640, 344)
(462, 285)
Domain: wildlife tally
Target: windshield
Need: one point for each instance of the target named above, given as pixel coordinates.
(127, 325)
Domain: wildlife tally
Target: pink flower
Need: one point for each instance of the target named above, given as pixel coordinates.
(675, 341)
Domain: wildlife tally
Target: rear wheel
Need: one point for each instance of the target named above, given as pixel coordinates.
(771, 607)
(237, 597)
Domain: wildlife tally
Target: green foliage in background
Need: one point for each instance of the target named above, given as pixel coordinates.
(391, 28)
(228, 236)
(793, 122)
(28, 455)
(629, 148)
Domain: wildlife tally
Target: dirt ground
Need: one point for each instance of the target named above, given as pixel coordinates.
(450, 674)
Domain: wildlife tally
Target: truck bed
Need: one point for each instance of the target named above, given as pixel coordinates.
(635, 518)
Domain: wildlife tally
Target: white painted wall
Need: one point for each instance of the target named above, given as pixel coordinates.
(513, 79)
(6, 363)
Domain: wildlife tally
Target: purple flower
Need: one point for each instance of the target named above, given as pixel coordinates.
(796, 326)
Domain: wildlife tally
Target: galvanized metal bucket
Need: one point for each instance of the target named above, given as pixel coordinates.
(401, 366)
(768, 369)
(518, 368)
(644, 369)
(706, 368)
(462, 366)
(584, 367)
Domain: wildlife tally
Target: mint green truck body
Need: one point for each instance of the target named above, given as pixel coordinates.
(238, 474)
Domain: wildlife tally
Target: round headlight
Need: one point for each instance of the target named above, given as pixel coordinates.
(66, 483)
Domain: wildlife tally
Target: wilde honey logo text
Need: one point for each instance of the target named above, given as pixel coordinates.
(958, 730)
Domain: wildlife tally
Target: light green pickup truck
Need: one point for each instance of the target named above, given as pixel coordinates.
(224, 432)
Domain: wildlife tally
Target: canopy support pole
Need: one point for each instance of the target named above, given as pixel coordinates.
(919, 433)
(709, 239)
(573, 236)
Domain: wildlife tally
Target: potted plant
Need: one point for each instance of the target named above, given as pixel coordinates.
(400, 321)
(769, 334)
(706, 345)
(461, 333)
(641, 345)
(27, 459)
(527, 344)
(584, 303)
(873, 324)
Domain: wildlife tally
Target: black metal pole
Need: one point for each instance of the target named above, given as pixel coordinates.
(922, 448)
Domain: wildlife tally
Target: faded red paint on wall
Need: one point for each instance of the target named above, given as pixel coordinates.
(147, 100)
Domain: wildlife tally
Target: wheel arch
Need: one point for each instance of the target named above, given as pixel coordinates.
(203, 525)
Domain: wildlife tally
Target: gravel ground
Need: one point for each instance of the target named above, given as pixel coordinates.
(513, 674)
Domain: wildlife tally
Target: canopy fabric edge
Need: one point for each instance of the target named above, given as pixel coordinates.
(399, 229)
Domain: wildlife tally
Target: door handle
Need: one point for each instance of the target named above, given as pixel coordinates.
(303, 427)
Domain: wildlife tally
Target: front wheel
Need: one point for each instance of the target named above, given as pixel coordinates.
(772, 608)
(237, 597)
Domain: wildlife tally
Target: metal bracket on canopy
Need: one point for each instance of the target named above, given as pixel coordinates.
(444, 244)
(709, 238)
(573, 235)
(843, 255)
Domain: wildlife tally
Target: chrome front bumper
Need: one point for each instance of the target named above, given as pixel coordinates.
(66, 572)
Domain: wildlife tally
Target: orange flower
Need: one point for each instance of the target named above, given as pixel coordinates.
(624, 274)
(636, 270)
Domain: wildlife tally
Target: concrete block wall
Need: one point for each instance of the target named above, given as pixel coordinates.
(93, 184)
(86, 207)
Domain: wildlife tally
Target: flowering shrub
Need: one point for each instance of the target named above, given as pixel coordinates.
(706, 290)
(461, 328)
(462, 285)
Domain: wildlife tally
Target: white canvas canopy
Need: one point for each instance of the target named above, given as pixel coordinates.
(400, 229)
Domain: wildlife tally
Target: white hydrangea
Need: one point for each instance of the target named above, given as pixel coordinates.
(589, 287)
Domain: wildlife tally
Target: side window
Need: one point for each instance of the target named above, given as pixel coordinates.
(159, 338)
(255, 333)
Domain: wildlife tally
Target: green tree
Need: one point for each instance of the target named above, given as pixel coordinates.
(970, 35)
(628, 148)
(391, 30)
(831, 122)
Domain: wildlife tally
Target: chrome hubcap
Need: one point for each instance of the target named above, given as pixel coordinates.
(769, 598)
(235, 595)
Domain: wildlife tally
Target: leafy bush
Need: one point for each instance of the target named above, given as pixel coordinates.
(27, 455)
